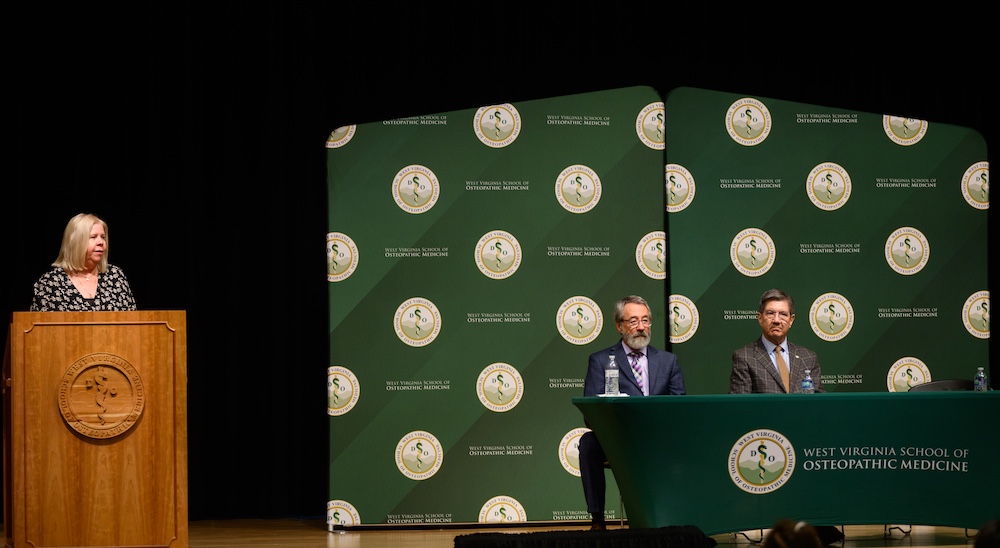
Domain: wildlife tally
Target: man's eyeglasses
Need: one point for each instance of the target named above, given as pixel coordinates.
(636, 322)
(782, 315)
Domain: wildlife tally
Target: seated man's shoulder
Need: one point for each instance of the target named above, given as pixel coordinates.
(799, 349)
(748, 346)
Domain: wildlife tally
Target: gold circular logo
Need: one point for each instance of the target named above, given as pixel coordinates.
(500, 387)
(831, 317)
(417, 322)
(907, 250)
(904, 131)
(101, 396)
(578, 189)
(976, 314)
(498, 254)
(976, 185)
(651, 255)
(579, 320)
(569, 450)
(341, 136)
(502, 509)
(906, 373)
(752, 252)
(497, 126)
(416, 189)
(341, 256)
(761, 461)
(828, 186)
(649, 126)
(748, 122)
(680, 187)
(340, 513)
(682, 315)
(419, 455)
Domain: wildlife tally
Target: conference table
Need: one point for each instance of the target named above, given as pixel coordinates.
(735, 462)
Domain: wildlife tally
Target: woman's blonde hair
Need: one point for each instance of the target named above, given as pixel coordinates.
(73, 251)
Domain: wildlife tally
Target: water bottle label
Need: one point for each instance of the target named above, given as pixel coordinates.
(611, 382)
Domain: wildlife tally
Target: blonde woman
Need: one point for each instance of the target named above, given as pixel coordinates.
(81, 278)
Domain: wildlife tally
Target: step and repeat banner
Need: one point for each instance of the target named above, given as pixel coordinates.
(474, 258)
(874, 223)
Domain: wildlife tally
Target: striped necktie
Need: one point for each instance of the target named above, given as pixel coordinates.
(633, 359)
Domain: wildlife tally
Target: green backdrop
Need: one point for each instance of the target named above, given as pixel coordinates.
(474, 257)
(875, 224)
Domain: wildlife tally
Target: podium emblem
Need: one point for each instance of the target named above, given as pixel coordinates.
(101, 396)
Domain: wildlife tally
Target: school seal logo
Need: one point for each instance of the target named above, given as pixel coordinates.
(569, 450)
(341, 257)
(907, 250)
(651, 255)
(497, 126)
(500, 387)
(761, 461)
(905, 373)
(752, 252)
(498, 254)
(101, 396)
(976, 314)
(904, 131)
(578, 189)
(502, 509)
(748, 122)
(342, 390)
(415, 189)
(680, 187)
(340, 513)
(419, 455)
(976, 185)
(649, 126)
(828, 186)
(341, 136)
(831, 317)
(579, 320)
(682, 315)
(417, 322)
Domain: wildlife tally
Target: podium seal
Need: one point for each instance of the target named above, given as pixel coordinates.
(101, 396)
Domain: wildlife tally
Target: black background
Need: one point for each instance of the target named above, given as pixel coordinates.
(198, 134)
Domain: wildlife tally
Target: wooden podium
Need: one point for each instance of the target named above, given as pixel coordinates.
(95, 429)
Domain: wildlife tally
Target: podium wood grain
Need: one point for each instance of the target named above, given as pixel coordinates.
(70, 482)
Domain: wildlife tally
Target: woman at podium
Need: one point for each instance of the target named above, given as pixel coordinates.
(81, 278)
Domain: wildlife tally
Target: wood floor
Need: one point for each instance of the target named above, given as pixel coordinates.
(288, 533)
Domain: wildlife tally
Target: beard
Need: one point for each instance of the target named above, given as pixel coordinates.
(636, 339)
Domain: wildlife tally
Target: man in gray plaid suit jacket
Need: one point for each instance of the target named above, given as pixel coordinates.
(757, 366)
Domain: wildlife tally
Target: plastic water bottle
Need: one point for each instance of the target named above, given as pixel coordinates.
(611, 377)
(979, 381)
(807, 384)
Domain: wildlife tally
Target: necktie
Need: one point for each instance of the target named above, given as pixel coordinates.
(633, 359)
(782, 367)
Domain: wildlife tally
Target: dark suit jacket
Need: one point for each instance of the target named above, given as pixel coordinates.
(664, 373)
(754, 373)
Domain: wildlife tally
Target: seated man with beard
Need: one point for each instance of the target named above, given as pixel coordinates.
(649, 371)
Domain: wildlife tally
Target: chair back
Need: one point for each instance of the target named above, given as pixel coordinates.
(944, 384)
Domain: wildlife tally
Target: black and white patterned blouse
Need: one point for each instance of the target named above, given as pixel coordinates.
(55, 292)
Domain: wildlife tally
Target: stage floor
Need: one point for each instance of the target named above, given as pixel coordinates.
(290, 533)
